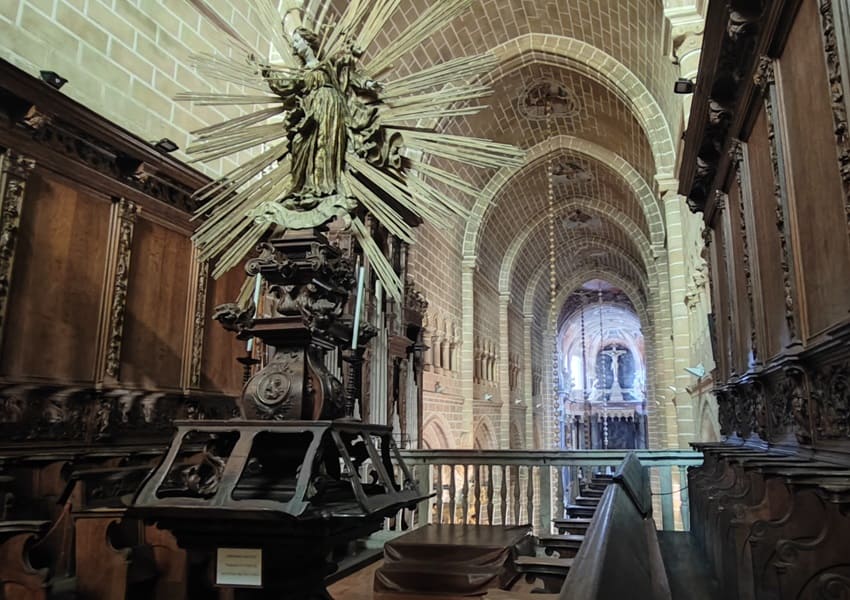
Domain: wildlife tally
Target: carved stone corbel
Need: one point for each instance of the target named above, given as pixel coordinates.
(15, 170)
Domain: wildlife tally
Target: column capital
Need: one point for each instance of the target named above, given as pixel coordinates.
(667, 183)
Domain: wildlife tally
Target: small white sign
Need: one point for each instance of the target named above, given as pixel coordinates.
(239, 567)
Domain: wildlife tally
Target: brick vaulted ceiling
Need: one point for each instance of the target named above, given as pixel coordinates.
(613, 133)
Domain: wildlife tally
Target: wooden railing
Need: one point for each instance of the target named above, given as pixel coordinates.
(534, 486)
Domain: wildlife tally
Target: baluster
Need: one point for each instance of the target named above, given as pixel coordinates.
(545, 517)
(515, 488)
(665, 474)
(503, 492)
(685, 498)
(530, 493)
(439, 493)
(491, 483)
(477, 494)
(465, 494)
(422, 475)
(452, 492)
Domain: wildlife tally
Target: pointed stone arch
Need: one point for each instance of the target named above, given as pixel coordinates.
(633, 180)
(610, 72)
(484, 436)
(437, 433)
(600, 208)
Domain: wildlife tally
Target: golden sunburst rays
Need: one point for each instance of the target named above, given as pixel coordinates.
(239, 208)
(435, 17)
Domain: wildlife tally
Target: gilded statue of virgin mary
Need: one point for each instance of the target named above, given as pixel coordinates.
(326, 96)
(331, 142)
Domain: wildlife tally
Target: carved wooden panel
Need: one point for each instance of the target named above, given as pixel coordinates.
(816, 192)
(720, 302)
(157, 296)
(220, 372)
(52, 319)
(741, 320)
(765, 248)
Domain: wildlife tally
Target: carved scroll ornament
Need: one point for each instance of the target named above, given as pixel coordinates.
(127, 213)
(839, 108)
(13, 177)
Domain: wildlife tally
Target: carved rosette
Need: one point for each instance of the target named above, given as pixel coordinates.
(127, 213)
(198, 325)
(275, 393)
(15, 169)
(831, 397)
(767, 80)
(839, 109)
(832, 586)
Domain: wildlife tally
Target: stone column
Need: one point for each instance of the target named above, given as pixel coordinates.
(505, 374)
(674, 206)
(467, 352)
(527, 385)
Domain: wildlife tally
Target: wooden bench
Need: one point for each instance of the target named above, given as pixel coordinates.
(549, 571)
(117, 557)
(19, 579)
(620, 557)
(577, 526)
(566, 546)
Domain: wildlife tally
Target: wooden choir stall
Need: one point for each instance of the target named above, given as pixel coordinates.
(767, 164)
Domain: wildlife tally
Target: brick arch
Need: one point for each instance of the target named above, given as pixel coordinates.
(602, 209)
(584, 273)
(517, 437)
(614, 279)
(638, 274)
(436, 432)
(611, 73)
(641, 189)
(484, 437)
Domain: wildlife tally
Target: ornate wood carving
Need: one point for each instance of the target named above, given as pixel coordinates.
(82, 145)
(839, 109)
(74, 414)
(127, 212)
(725, 412)
(765, 76)
(14, 172)
(713, 110)
(831, 395)
(788, 407)
(198, 323)
(738, 158)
